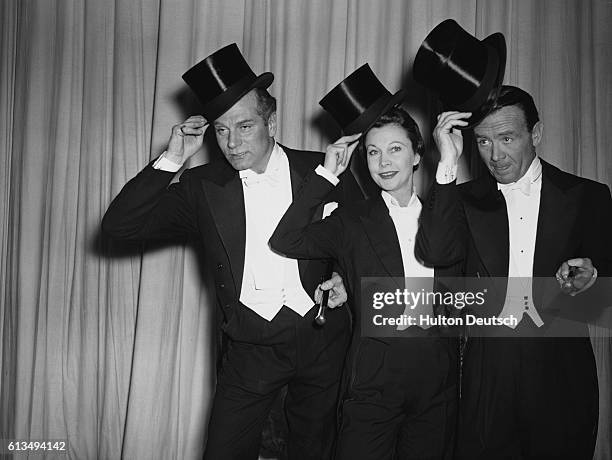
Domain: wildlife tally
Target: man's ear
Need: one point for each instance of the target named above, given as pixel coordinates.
(536, 133)
(272, 124)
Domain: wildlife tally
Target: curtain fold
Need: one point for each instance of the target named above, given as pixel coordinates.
(111, 345)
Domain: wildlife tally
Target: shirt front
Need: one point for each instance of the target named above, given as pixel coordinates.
(523, 205)
(269, 279)
(406, 222)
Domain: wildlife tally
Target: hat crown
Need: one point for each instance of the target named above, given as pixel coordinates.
(220, 70)
(222, 78)
(358, 100)
(463, 71)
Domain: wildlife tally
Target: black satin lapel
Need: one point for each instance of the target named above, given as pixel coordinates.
(298, 170)
(555, 218)
(296, 179)
(381, 232)
(487, 219)
(226, 202)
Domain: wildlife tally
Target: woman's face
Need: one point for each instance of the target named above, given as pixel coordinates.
(391, 159)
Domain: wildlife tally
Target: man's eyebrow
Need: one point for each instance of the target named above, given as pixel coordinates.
(505, 133)
(502, 133)
(239, 122)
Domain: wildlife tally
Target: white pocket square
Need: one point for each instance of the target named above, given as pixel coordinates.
(329, 208)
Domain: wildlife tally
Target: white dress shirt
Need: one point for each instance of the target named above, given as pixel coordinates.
(269, 280)
(523, 204)
(406, 222)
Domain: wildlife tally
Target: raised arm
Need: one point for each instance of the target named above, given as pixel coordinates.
(442, 236)
(146, 208)
(296, 236)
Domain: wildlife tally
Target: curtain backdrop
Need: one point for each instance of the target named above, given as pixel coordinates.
(111, 346)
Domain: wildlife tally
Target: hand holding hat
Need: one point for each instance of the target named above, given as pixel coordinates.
(355, 103)
(186, 139)
(448, 137)
(338, 155)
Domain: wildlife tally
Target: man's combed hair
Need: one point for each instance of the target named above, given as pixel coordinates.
(511, 95)
(398, 116)
(266, 103)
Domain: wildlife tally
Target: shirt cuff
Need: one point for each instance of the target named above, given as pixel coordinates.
(166, 165)
(446, 173)
(327, 174)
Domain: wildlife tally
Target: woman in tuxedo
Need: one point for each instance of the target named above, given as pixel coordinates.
(401, 396)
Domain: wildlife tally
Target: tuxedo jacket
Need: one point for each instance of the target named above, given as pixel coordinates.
(468, 225)
(208, 204)
(361, 237)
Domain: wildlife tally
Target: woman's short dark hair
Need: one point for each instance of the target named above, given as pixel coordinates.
(398, 116)
(511, 95)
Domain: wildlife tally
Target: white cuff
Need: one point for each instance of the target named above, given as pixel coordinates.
(166, 165)
(327, 174)
(446, 173)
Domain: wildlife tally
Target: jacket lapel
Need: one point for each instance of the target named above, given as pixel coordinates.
(555, 216)
(381, 233)
(299, 168)
(226, 202)
(487, 218)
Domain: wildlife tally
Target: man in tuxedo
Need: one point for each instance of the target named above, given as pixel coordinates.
(232, 206)
(527, 398)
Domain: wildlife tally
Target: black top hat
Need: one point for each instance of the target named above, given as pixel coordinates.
(465, 73)
(358, 100)
(221, 79)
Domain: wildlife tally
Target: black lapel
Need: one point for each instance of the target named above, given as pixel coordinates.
(487, 218)
(300, 165)
(225, 198)
(381, 233)
(555, 219)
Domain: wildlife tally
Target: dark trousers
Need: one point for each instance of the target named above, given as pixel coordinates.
(261, 358)
(528, 398)
(402, 400)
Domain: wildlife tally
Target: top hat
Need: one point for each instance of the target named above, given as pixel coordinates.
(221, 79)
(465, 73)
(358, 100)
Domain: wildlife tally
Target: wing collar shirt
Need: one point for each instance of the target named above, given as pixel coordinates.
(523, 203)
(269, 280)
(406, 222)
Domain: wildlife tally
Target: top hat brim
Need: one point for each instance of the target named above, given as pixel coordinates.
(218, 106)
(365, 121)
(496, 44)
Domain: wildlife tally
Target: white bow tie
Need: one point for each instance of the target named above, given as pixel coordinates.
(524, 185)
(251, 178)
(399, 211)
